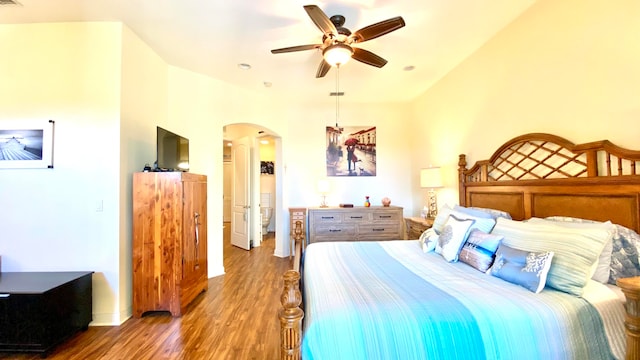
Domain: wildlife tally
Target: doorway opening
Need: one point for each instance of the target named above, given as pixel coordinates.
(251, 187)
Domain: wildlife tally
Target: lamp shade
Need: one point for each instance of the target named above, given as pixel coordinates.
(323, 186)
(431, 177)
(337, 54)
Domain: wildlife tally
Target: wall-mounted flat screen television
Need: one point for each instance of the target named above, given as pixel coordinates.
(172, 151)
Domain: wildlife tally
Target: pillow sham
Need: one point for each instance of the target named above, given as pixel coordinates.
(485, 224)
(479, 250)
(601, 270)
(495, 213)
(472, 212)
(441, 218)
(625, 251)
(576, 250)
(452, 238)
(524, 268)
(428, 240)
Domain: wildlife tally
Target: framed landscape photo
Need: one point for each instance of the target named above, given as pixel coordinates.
(26, 144)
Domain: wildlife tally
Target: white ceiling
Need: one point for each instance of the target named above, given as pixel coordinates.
(213, 36)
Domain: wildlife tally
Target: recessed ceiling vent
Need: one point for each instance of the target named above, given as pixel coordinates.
(9, 3)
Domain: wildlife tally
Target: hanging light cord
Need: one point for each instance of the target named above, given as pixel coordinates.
(337, 93)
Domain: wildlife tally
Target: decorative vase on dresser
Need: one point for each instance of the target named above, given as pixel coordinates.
(169, 240)
(355, 223)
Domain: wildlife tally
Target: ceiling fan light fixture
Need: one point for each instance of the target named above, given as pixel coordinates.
(337, 54)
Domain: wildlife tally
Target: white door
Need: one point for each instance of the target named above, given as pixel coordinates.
(241, 209)
(227, 171)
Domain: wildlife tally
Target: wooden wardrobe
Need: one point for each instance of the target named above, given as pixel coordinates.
(169, 240)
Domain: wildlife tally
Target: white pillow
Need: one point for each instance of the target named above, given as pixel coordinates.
(601, 269)
(452, 238)
(441, 218)
(575, 250)
(484, 224)
(428, 240)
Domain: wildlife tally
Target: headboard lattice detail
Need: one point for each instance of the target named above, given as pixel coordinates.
(544, 156)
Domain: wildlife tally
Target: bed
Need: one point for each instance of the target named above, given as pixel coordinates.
(570, 212)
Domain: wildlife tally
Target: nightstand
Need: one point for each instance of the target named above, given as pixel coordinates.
(416, 226)
(631, 289)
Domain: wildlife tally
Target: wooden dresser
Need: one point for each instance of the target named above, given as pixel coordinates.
(357, 223)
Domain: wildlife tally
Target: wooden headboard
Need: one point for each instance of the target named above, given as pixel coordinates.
(540, 175)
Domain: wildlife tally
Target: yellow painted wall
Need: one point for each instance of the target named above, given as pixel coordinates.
(565, 67)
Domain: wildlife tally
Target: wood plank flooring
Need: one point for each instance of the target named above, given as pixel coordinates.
(234, 319)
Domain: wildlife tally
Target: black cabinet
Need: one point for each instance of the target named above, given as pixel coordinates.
(39, 310)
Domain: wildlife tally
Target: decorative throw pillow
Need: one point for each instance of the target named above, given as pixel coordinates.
(452, 238)
(480, 249)
(576, 250)
(524, 268)
(441, 218)
(485, 224)
(428, 240)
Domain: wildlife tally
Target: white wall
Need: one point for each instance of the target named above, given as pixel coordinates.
(144, 105)
(568, 67)
(68, 72)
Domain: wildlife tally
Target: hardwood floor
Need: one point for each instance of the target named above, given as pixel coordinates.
(234, 319)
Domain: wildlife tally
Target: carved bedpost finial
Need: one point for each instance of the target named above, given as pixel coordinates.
(462, 162)
(291, 317)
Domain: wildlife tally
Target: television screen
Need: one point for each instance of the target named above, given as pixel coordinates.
(172, 151)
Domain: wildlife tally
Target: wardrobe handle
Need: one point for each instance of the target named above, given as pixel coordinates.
(196, 218)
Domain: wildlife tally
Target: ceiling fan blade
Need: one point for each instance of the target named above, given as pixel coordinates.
(323, 69)
(296, 48)
(378, 29)
(367, 57)
(321, 20)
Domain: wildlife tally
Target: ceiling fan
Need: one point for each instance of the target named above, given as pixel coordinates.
(337, 40)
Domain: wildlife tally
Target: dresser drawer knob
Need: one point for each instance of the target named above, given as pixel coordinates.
(356, 217)
(327, 217)
(385, 216)
(335, 230)
(378, 229)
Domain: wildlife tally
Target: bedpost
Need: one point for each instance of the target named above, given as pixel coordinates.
(291, 317)
(462, 167)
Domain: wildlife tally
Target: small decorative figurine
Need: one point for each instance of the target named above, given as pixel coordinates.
(386, 201)
(367, 203)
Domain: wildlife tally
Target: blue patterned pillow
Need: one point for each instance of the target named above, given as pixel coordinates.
(624, 254)
(524, 268)
(480, 249)
(452, 238)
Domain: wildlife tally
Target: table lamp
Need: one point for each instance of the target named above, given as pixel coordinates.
(431, 178)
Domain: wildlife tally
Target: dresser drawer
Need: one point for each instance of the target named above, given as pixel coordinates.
(335, 231)
(356, 217)
(325, 217)
(380, 231)
(387, 216)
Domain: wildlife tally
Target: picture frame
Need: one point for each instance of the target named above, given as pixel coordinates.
(351, 151)
(26, 144)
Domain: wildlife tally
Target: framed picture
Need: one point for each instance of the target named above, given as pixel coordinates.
(266, 167)
(26, 144)
(351, 151)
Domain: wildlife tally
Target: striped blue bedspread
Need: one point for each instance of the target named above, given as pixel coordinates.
(389, 300)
